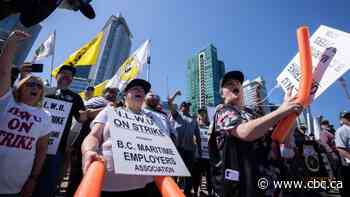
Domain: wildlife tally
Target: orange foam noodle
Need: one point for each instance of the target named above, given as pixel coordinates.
(282, 129)
(92, 182)
(168, 187)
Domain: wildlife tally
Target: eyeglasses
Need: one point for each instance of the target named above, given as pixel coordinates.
(154, 96)
(33, 84)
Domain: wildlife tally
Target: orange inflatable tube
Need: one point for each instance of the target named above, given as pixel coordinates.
(168, 187)
(283, 127)
(91, 185)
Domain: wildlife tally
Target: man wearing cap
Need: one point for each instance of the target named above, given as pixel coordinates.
(100, 139)
(152, 103)
(188, 137)
(54, 164)
(89, 93)
(232, 145)
(201, 165)
(342, 142)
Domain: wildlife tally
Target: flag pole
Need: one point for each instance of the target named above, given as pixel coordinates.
(53, 57)
(148, 71)
(149, 65)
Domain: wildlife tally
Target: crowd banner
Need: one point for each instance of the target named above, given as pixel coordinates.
(59, 113)
(284, 126)
(329, 50)
(140, 147)
(92, 182)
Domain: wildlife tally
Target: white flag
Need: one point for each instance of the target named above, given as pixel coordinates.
(46, 48)
(131, 68)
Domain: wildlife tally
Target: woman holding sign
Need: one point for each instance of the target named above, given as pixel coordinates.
(24, 127)
(100, 138)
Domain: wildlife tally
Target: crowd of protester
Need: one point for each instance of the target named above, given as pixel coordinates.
(232, 152)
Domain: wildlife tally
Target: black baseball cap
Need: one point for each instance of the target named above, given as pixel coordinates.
(185, 104)
(90, 88)
(345, 114)
(138, 82)
(325, 122)
(238, 75)
(67, 67)
(202, 110)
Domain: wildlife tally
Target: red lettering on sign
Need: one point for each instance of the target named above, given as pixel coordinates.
(13, 124)
(22, 143)
(26, 127)
(20, 126)
(25, 115)
(7, 139)
(29, 144)
(14, 142)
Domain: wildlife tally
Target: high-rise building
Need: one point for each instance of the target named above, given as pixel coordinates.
(255, 95)
(11, 23)
(204, 72)
(115, 49)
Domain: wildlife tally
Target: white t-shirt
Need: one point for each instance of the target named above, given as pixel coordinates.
(21, 126)
(112, 181)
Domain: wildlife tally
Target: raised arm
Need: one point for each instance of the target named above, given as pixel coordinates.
(6, 58)
(171, 102)
(257, 128)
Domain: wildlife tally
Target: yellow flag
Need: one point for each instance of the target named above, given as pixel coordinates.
(128, 71)
(98, 89)
(85, 56)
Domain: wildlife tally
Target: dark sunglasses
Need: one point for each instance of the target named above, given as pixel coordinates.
(34, 84)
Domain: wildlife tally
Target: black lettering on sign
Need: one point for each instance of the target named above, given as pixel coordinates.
(51, 141)
(322, 42)
(46, 105)
(147, 130)
(153, 168)
(139, 119)
(294, 71)
(57, 120)
(55, 134)
(120, 144)
(129, 145)
(288, 85)
(61, 108)
(53, 106)
(127, 117)
(121, 124)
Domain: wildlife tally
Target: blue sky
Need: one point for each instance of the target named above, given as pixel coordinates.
(257, 37)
